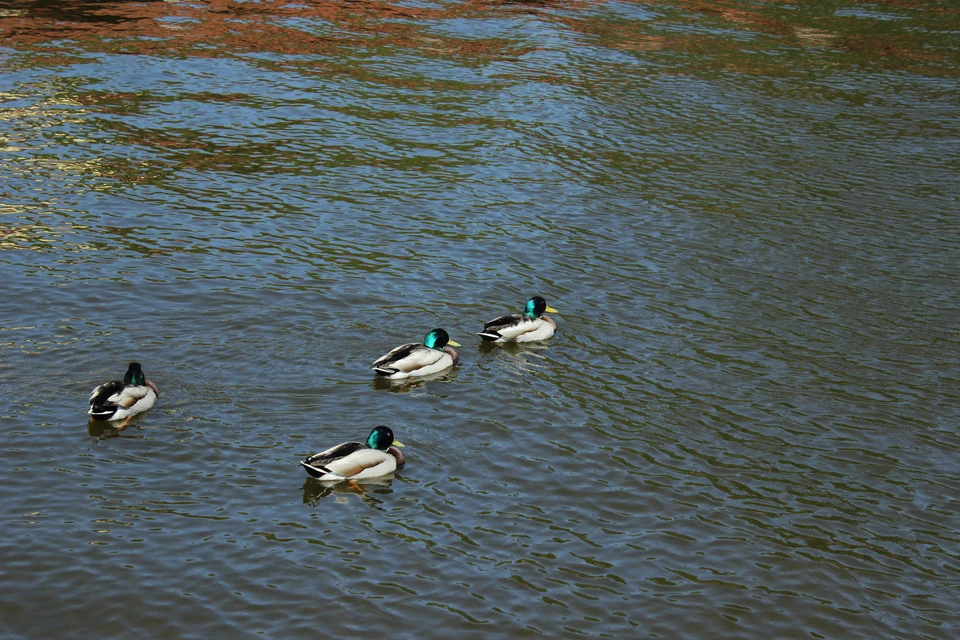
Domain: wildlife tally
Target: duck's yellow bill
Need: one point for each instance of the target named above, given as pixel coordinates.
(452, 343)
(551, 310)
(397, 443)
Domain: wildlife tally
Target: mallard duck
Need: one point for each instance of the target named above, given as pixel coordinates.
(529, 327)
(378, 456)
(116, 400)
(414, 359)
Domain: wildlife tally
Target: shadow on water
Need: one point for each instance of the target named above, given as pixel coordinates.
(314, 491)
(93, 12)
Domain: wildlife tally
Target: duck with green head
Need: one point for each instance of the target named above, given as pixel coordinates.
(377, 457)
(120, 400)
(412, 359)
(531, 326)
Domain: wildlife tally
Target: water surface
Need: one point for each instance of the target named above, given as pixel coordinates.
(745, 214)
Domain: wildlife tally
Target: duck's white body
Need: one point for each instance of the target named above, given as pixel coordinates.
(361, 464)
(357, 460)
(517, 328)
(412, 360)
(116, 401)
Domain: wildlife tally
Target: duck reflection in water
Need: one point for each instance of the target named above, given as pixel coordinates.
(511, 348)
(517, 358)
(108, 430)
(314, 491)
(406, 385)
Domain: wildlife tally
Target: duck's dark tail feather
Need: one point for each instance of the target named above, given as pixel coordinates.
(100, 406)
(100, 409)
(315, 472)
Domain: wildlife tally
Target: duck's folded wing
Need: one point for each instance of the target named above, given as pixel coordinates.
(394, 354)
(509, 327)
(409, 357)
(334, 453)
(106, 391)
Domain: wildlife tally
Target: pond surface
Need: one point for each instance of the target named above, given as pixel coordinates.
(745, 214)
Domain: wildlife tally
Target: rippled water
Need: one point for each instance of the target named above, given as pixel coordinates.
(745, 213)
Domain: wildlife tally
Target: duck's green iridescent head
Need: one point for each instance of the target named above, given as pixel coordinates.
(381, 438)
(535, 307)
(438, 339)
(134, 375)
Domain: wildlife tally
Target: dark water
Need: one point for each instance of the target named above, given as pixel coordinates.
(746, 214)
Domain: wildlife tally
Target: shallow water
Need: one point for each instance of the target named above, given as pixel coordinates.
(745, 215)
